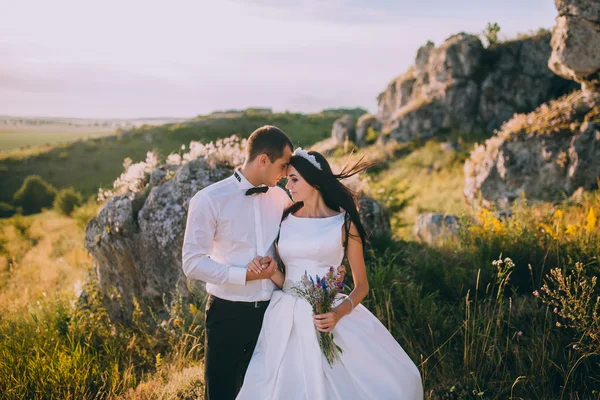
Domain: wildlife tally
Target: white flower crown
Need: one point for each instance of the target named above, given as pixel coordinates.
(309, 157)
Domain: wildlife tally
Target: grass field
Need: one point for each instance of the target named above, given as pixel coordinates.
(503, 311)
(11, 140)
(26, 132)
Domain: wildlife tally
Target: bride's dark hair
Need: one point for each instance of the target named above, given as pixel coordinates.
(336, 195)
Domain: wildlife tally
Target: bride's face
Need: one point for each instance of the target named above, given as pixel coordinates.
(298, 187)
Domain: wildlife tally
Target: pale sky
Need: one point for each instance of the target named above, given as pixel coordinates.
(180, 58)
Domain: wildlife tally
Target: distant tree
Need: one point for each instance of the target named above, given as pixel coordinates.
(490, 33)
(67, 200)
(6, 210)
(34, 194)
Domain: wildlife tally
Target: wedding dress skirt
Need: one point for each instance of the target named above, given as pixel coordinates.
(288, 363)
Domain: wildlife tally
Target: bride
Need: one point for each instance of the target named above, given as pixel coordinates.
(316, 232)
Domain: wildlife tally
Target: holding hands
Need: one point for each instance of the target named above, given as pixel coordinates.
(261, 268)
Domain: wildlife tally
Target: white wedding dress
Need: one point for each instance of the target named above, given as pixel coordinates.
(288, 363)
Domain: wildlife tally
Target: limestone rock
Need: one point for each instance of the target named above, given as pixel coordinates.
(343, 128)
(461, 86)
(373, 216)
(364, 123)
(576, 42)
(545, 154)
(136, 241)
(431, 227)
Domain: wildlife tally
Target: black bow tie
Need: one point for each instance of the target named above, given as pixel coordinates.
(259, 189)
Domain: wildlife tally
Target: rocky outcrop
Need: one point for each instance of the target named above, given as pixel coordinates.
(576, 42)
(430, 228)
(462, 86)
(554, 151)
(136, 238)
(373, 216)
(546, 154)
(343, 128)
(367, 123)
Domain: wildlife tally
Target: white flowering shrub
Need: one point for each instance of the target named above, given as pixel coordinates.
(136, 177)
(229, 151)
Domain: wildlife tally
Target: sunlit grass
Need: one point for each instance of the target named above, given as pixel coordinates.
(464, 309)
(41, 256)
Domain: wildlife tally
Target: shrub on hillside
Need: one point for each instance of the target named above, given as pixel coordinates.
(6, 210)
(490, 33)
(34, 194)
(85, 213)
(67, 200)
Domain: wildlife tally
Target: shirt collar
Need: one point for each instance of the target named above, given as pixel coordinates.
(240, 179)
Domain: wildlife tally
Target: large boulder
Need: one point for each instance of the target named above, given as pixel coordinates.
(576, 42)
(546, 154)
(136, 238)
(554, 151)
(343, 128)
(431, 227)
(365, 124)
(373, 216)
(462, 86)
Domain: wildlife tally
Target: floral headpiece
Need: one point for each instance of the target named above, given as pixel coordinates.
(309, 157)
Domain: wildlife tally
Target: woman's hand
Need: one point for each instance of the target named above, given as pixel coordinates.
(326, 322)
(254, 265)
(261, 268)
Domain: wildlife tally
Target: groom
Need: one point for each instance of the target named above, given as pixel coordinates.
(230, 224)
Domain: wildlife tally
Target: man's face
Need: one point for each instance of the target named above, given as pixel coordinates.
(278, 169)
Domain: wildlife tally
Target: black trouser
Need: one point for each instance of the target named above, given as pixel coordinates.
(232, 329)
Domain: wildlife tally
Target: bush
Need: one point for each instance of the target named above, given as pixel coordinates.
(67, 200)
(34, 194)
(491, 33)
(6, 210)
(372, 135)
(85, 213)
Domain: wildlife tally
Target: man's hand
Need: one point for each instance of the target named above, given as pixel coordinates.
(261, 268)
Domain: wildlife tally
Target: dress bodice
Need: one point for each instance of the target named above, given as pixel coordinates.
(311, 245)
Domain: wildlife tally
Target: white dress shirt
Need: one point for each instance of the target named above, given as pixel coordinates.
(225, 230)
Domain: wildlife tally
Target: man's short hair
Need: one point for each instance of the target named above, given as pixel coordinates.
(268, 140)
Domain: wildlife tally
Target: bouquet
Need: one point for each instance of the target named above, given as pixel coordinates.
(320, 294)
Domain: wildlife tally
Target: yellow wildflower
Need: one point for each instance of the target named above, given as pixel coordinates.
(548, 229)
(590, 221)
(558, 214)
(571, 229)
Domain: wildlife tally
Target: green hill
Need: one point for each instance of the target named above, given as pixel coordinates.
(90, 164)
